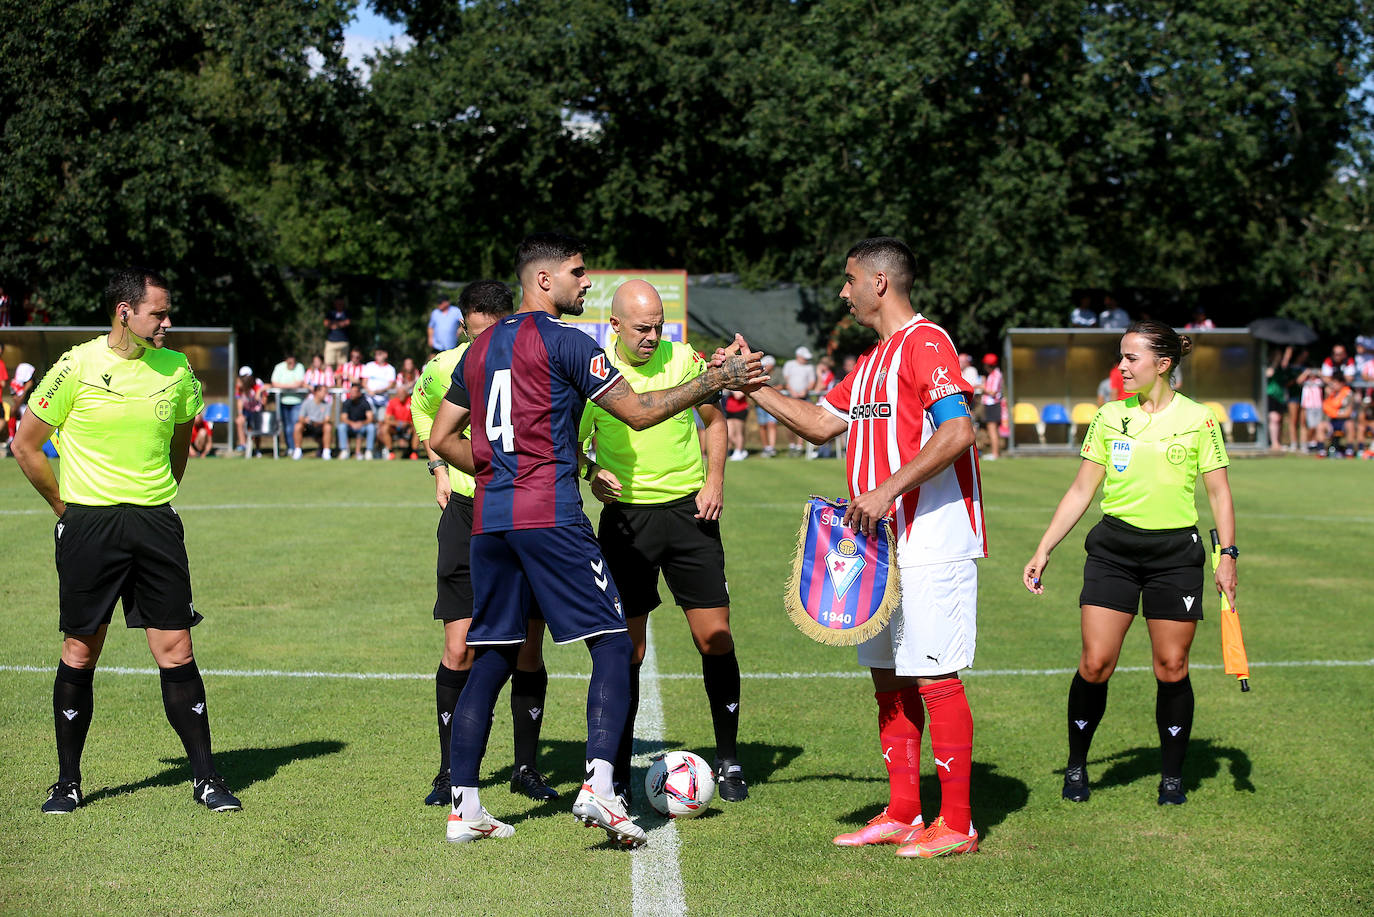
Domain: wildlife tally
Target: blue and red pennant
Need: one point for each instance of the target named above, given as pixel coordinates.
(843, 589)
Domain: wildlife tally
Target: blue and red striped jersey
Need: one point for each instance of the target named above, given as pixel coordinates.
(526, 380)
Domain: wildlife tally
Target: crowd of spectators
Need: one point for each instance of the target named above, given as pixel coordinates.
(1325, 408)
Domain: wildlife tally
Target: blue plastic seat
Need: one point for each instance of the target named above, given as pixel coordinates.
(1243, 412)
(1054, 413)
(218, 412)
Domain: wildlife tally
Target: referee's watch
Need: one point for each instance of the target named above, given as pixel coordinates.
(589, 472)
(1233, 551)
(435, 464)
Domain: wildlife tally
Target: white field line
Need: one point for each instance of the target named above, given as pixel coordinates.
(651, 677)
(655, 876)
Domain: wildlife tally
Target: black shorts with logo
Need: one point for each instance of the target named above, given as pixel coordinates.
(134, 553)
(639, 540)
(1159, 571)
(453, 601)
(453, 595)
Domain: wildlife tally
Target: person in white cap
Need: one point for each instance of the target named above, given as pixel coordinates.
(249, 392)
(20, 386)
(798, 379)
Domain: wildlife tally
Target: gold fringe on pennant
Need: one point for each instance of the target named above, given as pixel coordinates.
(796, 608)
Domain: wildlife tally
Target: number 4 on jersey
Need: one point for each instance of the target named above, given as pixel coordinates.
(499, 426)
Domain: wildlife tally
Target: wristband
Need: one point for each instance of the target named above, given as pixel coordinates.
(589, 472)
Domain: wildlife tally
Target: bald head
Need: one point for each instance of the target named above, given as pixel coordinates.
(637, 320)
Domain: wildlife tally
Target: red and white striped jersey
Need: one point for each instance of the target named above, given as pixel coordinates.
(349, 373)
(886, 402)
(324, 376)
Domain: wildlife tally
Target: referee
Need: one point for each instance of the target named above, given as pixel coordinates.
(1145, 553)
(484, 303)
(662, 510)
(124, 406)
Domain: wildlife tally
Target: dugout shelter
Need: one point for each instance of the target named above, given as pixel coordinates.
(1052, 375)
(213, 353)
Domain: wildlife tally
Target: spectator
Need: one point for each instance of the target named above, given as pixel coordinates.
(1200, 321)
(356, 420)
(352, 371)
(1293, 393)
(336, 322)
(768, 424)
(1339, 407)
(407, 375)
(379, 379)
(5, 318)
(736, 407)
(397, 429)
(1339, 360)
(970, 374)
(1113, 387)
(319, 374)
(825, 374)
(992, 405)
(202, 437)
(20, 387)
(1082, 315)
(445, 321)
(1112, 315)
(313, 420)
(248, 391)
(1364, 357)
(289, 377)
(4, 411)
(798, 379)
(36, 310)
(1313, 418)
(1279, 376)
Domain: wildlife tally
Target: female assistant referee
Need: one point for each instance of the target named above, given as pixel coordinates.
(1149, 449)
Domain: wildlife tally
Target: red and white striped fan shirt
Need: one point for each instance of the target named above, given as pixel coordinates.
(314, 377)
(886, 400)
(349, 373)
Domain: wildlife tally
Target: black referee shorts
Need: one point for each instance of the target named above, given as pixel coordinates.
(134, 553)
(453, 596)
(639, 540)
(1159, 571)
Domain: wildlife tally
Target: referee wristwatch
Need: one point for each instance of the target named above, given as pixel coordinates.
(435, 464)
(589, 472)
(1233, 551)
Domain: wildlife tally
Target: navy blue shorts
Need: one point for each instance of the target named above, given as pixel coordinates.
(560, 570)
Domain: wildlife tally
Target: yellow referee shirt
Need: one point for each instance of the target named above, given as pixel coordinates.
(429, 393)
(661, 463)
(1153, 460)
(116, 419)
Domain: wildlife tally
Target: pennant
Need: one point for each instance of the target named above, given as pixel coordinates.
(843, 588)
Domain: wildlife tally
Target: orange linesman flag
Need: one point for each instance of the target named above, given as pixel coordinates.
(1233, 656)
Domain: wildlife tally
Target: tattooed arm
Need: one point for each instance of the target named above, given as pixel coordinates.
(643, 410)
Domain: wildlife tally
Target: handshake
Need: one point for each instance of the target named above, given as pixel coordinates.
(742, 368)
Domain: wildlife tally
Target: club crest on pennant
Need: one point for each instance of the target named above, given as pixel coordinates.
(843, 588)
(843, 564)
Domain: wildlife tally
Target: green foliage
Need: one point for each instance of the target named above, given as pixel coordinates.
(1209, 153)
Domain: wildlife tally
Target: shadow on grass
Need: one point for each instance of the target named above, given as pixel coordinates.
(242, 767)
(1203, 763)
(994, 795)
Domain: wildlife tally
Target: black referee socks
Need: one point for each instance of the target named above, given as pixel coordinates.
(72, 703)
(1174, 717)
(448, 684)
(528, 691)
(183, 697)
(721, 677)
(1087, 703)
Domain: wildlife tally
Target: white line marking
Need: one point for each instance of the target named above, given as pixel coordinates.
(655, 876)
(189, 508)
(651, 677)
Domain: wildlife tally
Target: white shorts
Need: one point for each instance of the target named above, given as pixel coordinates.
(936, 629)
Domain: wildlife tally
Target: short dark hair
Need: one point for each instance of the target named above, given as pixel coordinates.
(130, 285)
(541, 247)
(489, 297)
(1163, 340)
(889, 255)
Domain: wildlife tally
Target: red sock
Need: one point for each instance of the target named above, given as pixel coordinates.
(899, 731)
(951, 742)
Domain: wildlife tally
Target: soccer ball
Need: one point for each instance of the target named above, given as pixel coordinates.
(680, 784)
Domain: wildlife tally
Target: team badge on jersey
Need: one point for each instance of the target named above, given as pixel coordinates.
(163, 410)
(1121, 454)
(843, 589)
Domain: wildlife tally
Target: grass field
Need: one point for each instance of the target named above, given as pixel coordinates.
(328, 568)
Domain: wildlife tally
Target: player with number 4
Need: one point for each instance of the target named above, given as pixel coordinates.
(523, 384)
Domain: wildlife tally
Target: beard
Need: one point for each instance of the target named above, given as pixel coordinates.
(576, 307)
